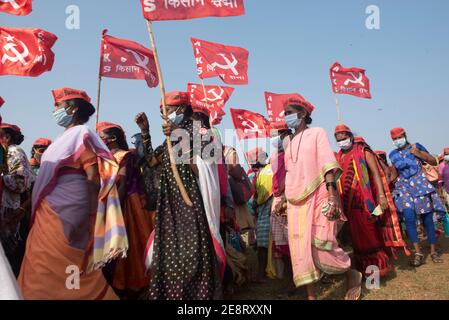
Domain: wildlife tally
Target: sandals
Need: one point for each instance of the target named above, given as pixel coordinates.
(418, 260)
(436, 257)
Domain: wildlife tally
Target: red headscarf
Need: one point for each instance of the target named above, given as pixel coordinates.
(42, 142)
(176, 98)
(101, 126)
(300, 102)
(342, 128)
(10, 126)
(396, 133)
(65, 94)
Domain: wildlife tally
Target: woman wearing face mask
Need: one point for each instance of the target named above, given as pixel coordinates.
(38, 149)
(364, 194)
(127, 276)
(414, 195)
(77, 222)
(185, 254)
(17, 182)
(313, 207)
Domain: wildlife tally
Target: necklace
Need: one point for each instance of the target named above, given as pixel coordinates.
(299, 147)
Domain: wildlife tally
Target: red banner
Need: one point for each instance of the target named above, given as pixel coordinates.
(275, 106)
(154, 10)
(26, 52)
(351, 81)
(126, 59)
(217, 60)
(216, 96)
(216, 115)
(16, 7)
(2, 102)
(250, 125)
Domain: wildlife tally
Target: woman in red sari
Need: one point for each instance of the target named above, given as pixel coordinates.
(127, 276)
(365, 195)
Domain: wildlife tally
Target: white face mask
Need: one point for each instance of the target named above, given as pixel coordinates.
(400, 143)
(292, 120)
(345, 144)
(446, 158)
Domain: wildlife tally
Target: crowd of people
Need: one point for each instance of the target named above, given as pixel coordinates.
(88, 217)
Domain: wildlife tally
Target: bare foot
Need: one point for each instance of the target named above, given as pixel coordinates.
(354, 280)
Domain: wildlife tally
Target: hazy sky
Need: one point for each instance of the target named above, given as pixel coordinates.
(292, 45)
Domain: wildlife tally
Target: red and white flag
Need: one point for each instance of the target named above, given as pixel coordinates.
(275, 107)
(26, 51)
(217, 60)
(16, 7)
(216, 115)
(351, 81)
(250, 125)
(127, 59)
(154, 10)
(2, 102)
(216, 96)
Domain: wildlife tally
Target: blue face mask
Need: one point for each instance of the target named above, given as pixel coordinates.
(62, 118)
(292, 120)
(176, 118)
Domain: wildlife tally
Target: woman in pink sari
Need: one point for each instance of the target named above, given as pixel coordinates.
(77, 222)
(313, 208)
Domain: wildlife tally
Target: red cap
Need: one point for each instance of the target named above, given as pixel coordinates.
(342, 128)
(252, 156)
(396, 133)
(176, 98)
(42, 142)
(65, 94)
(10, 126)
(301, 102)
(101, 126)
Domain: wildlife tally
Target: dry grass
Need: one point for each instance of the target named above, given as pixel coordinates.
(428, 282)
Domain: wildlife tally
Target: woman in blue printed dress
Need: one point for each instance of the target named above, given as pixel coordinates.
(414, 196)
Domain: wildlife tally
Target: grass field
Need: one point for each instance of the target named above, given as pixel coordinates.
(428, 282)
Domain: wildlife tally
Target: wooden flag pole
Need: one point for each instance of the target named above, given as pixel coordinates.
(337, 103)
(98, 98)
(207, 103)
(181, 187)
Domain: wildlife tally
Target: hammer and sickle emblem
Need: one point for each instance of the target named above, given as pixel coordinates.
(250, 126)
(17, 56)
(216, 96)
(230, 65)
(356, 79)
(143, 63)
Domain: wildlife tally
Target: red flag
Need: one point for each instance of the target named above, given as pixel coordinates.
(275, 106)
(249, 124)
(2, 102)
(190, 9)
(16, 7)
(216, 115)
(351, 81)
(126, 59)
(26, 52)
(218, 60)
(216, 96)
